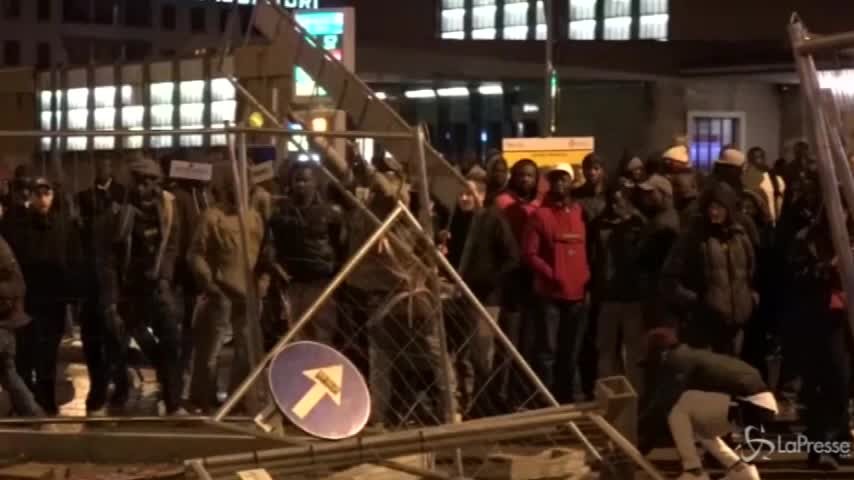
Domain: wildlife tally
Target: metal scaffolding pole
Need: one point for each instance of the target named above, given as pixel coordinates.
(827, 174)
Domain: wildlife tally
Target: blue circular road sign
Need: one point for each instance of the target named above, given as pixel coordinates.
(320, 390)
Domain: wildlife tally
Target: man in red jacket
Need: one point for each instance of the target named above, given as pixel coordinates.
(555, 247)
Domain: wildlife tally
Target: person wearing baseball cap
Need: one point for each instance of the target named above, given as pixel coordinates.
(46, 243)
(657, 237)
(554, 245)
(698, 396)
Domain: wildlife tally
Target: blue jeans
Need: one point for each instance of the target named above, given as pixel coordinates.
(559, 333)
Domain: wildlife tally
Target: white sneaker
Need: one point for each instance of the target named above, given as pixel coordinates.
(101, 412)
(691, 476)
(747, 472)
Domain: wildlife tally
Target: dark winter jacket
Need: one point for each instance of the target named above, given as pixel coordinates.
(12, 290)
(490, 255)
(709, 273)
(814, 276)
(96, 207)
(657, 238)
(593, 202)
(555, 247)
(685, 368)
(615, 242)
(48, 250)
(304, 239)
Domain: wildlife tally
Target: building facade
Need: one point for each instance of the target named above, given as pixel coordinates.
(631, 73)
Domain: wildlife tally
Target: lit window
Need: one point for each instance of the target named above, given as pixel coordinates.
(582, 10)
(162, 93)
(192, 92)
(131, 95)
(191, 140)
(653, 7)
(453, 23)
(161, 141)
(654, 19)
(582, 30)
(192, 115)
(45, 96)
(516, 33)
(78, 98)
(516, 20)
(483, 34)
(619, 28)
(541, 28)
(132, 116)
(222, 89)
(618, 8)
(104, 143)
(483, 16)
(654, 27)
(105, 118)
(161, 117)
(78, 119)
(224, 111)
(105, 97)
(76, 144)
(709, 133)
(46, 118)
(134, 142)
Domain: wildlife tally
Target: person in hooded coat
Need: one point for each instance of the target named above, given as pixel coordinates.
(709, 275)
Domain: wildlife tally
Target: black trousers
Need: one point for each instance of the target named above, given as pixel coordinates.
(151, 319)
(106, 360)
(827, 377)
(38, 351)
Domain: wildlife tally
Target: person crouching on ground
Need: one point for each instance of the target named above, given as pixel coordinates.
(699, 393)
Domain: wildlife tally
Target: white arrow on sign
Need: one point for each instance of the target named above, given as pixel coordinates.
(327, 382)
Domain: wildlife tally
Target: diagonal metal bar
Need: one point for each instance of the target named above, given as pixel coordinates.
(827, 174)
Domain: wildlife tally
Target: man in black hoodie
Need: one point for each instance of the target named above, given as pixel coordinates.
(98, 331)
(47, 246)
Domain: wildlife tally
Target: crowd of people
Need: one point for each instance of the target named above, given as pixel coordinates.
(587, 273)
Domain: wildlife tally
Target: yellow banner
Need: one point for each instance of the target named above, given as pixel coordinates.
(548, 152)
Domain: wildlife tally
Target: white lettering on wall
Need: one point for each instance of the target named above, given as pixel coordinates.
(306, 4)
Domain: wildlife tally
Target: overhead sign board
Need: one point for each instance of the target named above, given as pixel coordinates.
(201, 172)
(548, 152)
(320, 390)
(334, 29)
